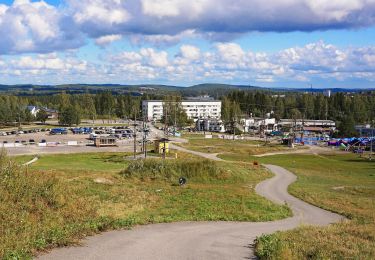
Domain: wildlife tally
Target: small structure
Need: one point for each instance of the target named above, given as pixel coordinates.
(33, 110)
(210, 125)
(51, 113)
(103, 141)
(160, 144)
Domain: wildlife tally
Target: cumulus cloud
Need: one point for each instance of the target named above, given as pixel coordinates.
(107, 39)
(223, 62)
(219, 19)
(35, 27)
(229, 61)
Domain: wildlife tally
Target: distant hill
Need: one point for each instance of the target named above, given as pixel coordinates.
(213, 89)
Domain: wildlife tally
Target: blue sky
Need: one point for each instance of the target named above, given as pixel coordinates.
(272, 43)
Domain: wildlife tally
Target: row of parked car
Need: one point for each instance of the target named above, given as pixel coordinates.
(31, 142)
(27, 131)
(118, 133)
(125, 132)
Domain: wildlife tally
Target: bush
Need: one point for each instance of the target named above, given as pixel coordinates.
(173, 169)
(36, 211)
(267, 246)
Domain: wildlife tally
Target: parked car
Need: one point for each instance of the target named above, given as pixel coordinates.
(31, 141)
(58, 131)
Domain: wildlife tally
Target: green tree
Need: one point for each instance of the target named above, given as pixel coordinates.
(42, 116)
(347, 127)
(89, 110)
(69, 116)
(176, 115)
(27, 116)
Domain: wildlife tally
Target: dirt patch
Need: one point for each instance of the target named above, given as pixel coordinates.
(103, 181)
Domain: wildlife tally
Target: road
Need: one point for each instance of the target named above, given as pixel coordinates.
(200, 240)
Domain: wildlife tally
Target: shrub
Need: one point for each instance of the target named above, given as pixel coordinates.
(267, 246)
(36, 211)
(173, 169)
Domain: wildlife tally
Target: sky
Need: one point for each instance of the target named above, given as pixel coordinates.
(274, 43)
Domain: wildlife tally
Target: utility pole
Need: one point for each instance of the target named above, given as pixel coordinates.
(372, 137)
(234, 128)
(135, 135)
(175, 123)
(303, 125)
(145, 131)
(165, 130)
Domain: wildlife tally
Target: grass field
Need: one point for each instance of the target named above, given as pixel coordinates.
(65, 197)
(230, 147)
(342, 183)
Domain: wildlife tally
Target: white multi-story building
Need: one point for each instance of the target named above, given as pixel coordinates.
(195, 109)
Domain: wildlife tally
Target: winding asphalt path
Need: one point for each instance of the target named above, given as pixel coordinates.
(200, 240)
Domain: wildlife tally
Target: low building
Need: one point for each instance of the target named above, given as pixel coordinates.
(259, 124)
(326, 125)
(33, 110)
(210, 125)
(51, 113)
(104, 141)
(194, 109)
(365, 130)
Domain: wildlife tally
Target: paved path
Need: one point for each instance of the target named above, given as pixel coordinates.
(211, 156)
(200, 240)
(31, 161)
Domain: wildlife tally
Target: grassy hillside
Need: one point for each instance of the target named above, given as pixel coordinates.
(64, 197)
(342, 183)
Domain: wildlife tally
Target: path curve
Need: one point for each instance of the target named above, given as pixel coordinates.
(211, 156)
(200, 240)
(31, 161)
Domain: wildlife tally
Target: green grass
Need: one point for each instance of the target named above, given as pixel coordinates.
(341, 183)
(92, 162)
(229, 147)
(64, 197)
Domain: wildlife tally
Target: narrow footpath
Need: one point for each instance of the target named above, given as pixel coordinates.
(200, 240)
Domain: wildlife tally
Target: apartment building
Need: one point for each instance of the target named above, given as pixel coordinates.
(195, 109)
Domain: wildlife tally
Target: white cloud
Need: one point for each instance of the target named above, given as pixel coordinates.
(154, 58)
(34, 27)
(189, 52)
(218, 20)
(99, 12)
(223, 62)
(108, 39)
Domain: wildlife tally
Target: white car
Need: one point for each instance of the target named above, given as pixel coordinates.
(3, 134)
(93, 136)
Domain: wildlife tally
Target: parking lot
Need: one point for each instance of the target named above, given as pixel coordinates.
(40, 142)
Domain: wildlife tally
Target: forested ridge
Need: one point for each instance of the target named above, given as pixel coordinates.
(358, 108)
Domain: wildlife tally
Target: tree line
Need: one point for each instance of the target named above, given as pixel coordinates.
(71, 108)
(346, 109)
